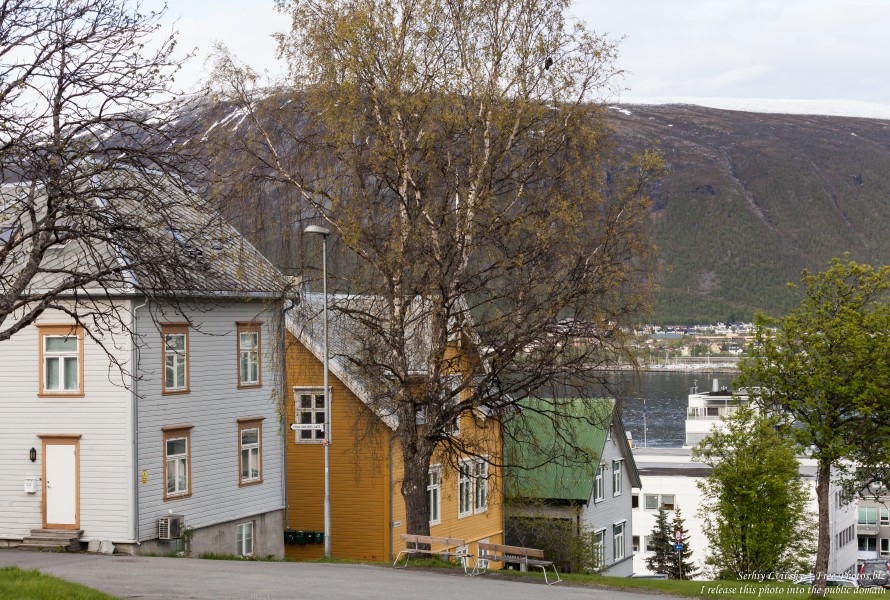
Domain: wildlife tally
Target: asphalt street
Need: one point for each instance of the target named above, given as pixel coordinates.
(155, 577)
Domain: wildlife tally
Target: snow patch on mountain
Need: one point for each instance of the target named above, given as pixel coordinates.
(833, 108)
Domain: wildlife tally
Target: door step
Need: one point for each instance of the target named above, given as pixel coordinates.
(52, 540)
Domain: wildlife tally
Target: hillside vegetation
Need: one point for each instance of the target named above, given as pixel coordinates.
(749, 200)
(752, 199)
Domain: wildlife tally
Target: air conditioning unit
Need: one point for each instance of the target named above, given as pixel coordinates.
(170, 527)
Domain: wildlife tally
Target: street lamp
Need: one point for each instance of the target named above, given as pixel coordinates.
(324, 232)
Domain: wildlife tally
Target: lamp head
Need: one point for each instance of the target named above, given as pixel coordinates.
(317, 229)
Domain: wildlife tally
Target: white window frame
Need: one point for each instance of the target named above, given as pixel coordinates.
(464, 488)
(885, 547)
(647, 497)
(313, 411)
(867, 510)
(173, 358)
(177, 464)
(63, 357)
(242, 537)
(249, 355)
(616, 476)
(480, 486)
(254, 451)
(434, 493)
(599, 545)
(884, 515)
(598, 492)
(618, 541)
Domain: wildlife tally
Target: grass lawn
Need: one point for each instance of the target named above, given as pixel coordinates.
(16, 584)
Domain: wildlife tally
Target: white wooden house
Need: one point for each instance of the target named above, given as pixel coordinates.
(110, 427)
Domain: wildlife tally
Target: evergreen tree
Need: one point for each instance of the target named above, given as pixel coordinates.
(680, 565)
(662, 542)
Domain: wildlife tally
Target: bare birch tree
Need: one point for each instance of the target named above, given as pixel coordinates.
(459, 153)
(92, 183)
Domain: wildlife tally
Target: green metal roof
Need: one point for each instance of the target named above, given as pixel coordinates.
(553, 447)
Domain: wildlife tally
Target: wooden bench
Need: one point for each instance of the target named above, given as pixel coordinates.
(434, 546)
(530, 557)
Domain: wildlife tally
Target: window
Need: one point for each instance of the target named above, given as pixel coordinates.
(616, 477)
(176, 358)
(868, 544)
(635, 542)
(635, 501)
(885, 546)
(654, 501)
(885, 516)
(480, 484)
(599, 547)
(249, 374)
(244, 539)
(618, 540)
(250, 445)
(177, 461)
(598, 485)
(649, 543)
(309, 411)
(868, 515)
(472, 487)
(464, 489)
(434, 491)
(61, 360)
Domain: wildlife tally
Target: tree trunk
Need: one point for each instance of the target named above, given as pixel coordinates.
(823, 541)
(417, 510)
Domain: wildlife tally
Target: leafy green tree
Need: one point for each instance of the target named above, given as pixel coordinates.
(755, 502)
(825, 367)
(662, 544)
(680, 565)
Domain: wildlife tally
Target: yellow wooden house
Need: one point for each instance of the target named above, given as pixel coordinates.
(367, 507)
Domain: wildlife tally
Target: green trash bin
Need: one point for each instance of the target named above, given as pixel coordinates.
(319, 537)
(290, 537)
(310, 537)
(301, 537)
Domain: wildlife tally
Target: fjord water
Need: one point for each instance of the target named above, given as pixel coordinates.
(666, 395)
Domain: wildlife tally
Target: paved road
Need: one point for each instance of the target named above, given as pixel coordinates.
(180, 578)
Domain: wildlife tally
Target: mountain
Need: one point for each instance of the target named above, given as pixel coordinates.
(751, 199)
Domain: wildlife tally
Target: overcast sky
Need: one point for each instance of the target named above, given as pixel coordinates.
(773, 49)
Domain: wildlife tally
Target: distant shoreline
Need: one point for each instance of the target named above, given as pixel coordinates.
(690, 367)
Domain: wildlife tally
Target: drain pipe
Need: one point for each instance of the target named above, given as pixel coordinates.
(285, 396)
(134, 366)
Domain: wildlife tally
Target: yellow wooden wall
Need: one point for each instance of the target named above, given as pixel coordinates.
(486, 526)
(360, 490)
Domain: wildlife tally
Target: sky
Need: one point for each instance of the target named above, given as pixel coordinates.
(807, 51)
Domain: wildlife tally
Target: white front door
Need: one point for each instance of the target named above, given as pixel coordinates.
(60, 484)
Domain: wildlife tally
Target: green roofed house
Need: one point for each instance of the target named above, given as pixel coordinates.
(568, 488)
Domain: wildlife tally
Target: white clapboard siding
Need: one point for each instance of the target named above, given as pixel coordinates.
(103, 418)
(213, 408)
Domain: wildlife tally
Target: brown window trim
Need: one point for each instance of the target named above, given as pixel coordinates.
(175, 328)
(45, 329)
(249, 327)
(177, 431)
(250, 423)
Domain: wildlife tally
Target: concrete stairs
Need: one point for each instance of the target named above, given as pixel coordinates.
(52, 540)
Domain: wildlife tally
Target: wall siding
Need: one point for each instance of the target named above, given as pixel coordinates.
(102, 417)
(613, 509)
(213, 407)
(360, 491)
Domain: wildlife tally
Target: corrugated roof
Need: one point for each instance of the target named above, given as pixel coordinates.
(556, 458)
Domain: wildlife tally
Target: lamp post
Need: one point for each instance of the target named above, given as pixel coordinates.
(324, 232)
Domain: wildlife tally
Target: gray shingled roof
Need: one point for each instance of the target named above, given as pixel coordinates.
(351, 334)
(217, 261)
